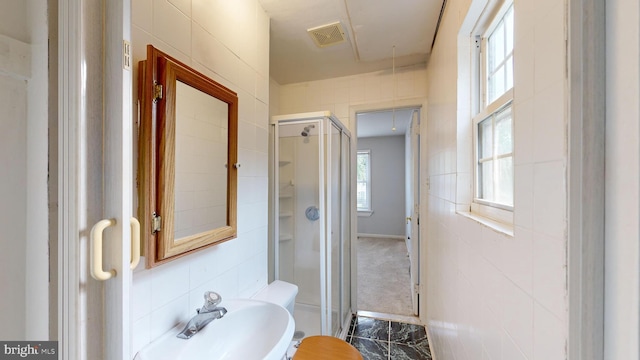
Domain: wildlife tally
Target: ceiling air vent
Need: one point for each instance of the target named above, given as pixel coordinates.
(327, 35)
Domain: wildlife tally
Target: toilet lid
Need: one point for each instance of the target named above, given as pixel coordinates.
(326, 348)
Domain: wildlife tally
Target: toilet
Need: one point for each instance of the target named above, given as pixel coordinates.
(279, 292)
(314, 347)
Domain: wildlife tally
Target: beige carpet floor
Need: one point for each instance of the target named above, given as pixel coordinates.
(384, 283)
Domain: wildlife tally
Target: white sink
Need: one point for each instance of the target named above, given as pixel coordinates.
(251, 329)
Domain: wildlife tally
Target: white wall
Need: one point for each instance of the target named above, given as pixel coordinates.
(229, 42)
(23, 170)
(274, 109)
(341, 94)
(622, 204)
(491, 295)
(387, 186)
(274, 98)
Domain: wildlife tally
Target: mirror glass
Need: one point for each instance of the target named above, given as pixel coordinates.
(200, 162)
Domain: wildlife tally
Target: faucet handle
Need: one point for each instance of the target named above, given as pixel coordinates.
(211, 300)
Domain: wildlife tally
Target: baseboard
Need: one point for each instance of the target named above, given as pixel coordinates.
(381, 236)
(429, 337)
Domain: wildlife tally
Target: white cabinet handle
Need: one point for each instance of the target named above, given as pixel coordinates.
(135, 243)
(95, 249)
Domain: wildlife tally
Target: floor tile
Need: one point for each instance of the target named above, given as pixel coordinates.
(371, 328)
(409, 352)
(371, 349)
(409, 334)
(383, 339)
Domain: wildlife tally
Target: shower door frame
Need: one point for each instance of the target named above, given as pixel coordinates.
(318, 121)
(324, 121)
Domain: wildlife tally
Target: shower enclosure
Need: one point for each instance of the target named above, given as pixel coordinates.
(311, 226)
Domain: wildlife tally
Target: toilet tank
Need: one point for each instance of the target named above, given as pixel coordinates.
(279, 292)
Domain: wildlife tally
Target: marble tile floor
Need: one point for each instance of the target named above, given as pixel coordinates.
(378, 339)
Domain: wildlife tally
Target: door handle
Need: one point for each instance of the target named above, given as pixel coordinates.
(135, 243)
(95, 250)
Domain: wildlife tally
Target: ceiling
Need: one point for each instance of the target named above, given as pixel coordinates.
(372, 28)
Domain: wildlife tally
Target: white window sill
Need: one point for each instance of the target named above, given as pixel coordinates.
(506, 229)
(365, 213)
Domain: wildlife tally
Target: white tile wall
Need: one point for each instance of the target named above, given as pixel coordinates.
(549, 125)
(489, 295)
(549, 337)
(228, 41)
(549, 198)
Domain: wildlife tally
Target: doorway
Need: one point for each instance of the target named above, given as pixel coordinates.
(387, 198)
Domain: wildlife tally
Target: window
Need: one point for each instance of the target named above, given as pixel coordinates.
(364, 180)
(499, 57)
(493, 124)
(495, 159)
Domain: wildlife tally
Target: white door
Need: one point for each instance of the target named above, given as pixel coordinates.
(118, 175)
(412, 205)
(95, 178)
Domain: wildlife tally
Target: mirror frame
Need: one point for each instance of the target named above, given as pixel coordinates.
(156, 157)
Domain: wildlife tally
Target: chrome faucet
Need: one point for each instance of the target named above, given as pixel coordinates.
(207, 313)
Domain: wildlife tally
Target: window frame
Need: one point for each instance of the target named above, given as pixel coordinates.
(493, 21)
(483, 109)
(369, 208)
(476, 121)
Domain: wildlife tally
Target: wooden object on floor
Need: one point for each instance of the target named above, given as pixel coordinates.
(326, 347)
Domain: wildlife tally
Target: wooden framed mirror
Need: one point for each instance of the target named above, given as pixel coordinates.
(187, 163)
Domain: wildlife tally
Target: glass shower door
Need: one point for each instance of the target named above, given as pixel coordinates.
(299, 222)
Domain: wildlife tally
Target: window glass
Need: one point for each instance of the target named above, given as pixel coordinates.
(504, 139)
(485, 133)
(486, 179)
(499, 57)
(495, 158)
(504, 181)
(363, 187)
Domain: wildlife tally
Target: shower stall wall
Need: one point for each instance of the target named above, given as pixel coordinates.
(311, 225)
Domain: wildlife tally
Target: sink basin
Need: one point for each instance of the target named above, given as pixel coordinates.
(251, 329)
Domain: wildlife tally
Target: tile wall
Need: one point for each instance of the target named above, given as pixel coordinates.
(229, 42)
(491, 295)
